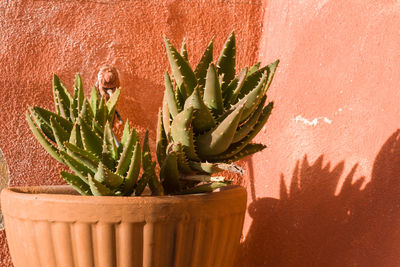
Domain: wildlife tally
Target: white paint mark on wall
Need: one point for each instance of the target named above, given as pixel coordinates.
(320, 5)
(312, 122)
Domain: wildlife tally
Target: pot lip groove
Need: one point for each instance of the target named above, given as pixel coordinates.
(61, 193)
(47, 205)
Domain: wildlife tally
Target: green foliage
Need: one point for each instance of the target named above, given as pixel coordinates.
(79, 135)
(209, 117)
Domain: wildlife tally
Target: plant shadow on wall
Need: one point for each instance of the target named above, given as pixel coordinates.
(310, 225)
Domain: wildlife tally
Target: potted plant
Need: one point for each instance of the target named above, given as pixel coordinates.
(208, 119)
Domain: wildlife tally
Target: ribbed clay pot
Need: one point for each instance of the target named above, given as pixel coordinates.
(51, 227)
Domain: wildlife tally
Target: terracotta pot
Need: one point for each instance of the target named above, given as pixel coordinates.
(52, 227)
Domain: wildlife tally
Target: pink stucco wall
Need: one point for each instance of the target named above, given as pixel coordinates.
(336, 95)
(337, 105)
(40, 38)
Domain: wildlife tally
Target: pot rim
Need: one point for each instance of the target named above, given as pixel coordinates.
(61, 191)
(61, 205)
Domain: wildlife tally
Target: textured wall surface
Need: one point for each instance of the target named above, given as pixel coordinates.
(39, 38)
(336, 97)
(337, 105)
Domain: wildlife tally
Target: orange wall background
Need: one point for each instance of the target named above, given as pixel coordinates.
(336, 105)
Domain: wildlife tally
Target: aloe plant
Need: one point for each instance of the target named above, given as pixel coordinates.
(209, 117)
(79, 134)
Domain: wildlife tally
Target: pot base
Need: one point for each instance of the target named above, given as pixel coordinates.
(48, 226)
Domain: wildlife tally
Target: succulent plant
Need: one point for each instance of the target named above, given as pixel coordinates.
(209, 117)
(79, 134)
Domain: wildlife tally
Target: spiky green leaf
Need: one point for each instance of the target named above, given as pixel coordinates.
(80, 92)
(248, 150)
(205, 167)
(124, 139)
(90, 160)
(110, 139)
(125, 134)
(149, 168)
(233, 90)
(42, 124)
(169, 174)
(161, 140)
(76, 165)
(111, 105)
(62, 97)
(45, 117)
(86, 112)
(204, 188)
(74, 109)
(102, 113)
(141, 185)
(184, 52)
(106, 155)
(248, 126)
(182, 132)
(271, 73)
(203, 119)
(133, 172)
(212, 92)
(77, 183)
(98, 189)
(181, 70)
(170, 95)
(226, 61)
(202, 67)
(254, 68)
(235, 148)
(50, 148)
(217, 140)
(94, 100)
(252, 99)
(166, 119)
(181, 93)
(82, 159)
(61, 135)
(127, 153)
(75, 136)
(107, 177)
(91, 141)
(183, 163)
(253, 79)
